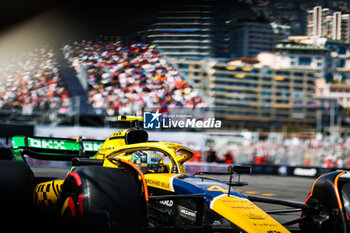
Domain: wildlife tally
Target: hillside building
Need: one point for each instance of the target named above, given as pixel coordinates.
(248, 39)
(328, 23)
(194, 29)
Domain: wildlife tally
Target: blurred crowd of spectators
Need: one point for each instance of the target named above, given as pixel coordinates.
(30, 82)
(125, 77)
(122, 77)
(290, 151)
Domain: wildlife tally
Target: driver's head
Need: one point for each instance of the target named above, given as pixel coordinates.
(148, 161)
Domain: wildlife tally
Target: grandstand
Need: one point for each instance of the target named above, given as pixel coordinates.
(30, 85)
(126, 77)
(90, 78)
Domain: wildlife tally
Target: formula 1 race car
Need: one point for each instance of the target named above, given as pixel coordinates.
(128, 183)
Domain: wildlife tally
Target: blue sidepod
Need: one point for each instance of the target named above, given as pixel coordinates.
(209, 187)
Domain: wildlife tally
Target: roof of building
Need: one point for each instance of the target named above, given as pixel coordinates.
(300, 47)
(250, 60)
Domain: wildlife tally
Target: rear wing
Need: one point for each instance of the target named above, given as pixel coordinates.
(47, 148)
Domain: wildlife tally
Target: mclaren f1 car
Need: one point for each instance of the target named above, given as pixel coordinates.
(130, 183)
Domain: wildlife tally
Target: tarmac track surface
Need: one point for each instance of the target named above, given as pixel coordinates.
(280, 187)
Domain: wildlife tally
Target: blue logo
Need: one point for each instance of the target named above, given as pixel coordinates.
(152, 120)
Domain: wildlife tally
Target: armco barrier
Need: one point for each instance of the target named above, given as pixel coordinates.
(284, 170)
(193, 167)
(47, 163)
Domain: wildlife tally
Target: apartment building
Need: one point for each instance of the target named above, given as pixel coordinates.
(338, 91)
(191, 29)
(248, 39)
(329, 58)
(246, 93)
(328, 23)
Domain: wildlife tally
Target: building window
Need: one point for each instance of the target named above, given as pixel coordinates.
(342, 50)
(341, 63)
(329, 77)
(266, 70)
(304, 61)
(183, 66)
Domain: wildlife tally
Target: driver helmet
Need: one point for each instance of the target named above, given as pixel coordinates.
(148, 161)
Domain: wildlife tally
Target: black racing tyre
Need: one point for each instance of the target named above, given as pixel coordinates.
(103, 198)
(16, 183)
(16, 192)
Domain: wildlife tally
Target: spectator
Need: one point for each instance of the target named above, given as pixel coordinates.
(229, 157)
(292, 151)
(126, 77)
(211, 154)
(30, 82)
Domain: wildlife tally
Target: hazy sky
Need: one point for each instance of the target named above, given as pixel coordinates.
(43, 23)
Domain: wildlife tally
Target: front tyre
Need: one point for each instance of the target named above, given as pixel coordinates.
(103, 198)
